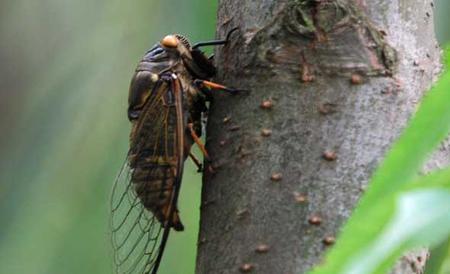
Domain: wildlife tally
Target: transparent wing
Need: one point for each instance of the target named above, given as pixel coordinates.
(138, 237)
(135, 231)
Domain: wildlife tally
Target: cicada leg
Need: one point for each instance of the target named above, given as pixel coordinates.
(196, 162)
(208, 85)
(199, 143)
(201, 146)
(204, 84)
(215, 42)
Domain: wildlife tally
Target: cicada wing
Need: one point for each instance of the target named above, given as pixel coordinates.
(152, 171)
(135, 231)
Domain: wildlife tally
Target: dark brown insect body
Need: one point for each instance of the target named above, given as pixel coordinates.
(153, 140)
(166, 100)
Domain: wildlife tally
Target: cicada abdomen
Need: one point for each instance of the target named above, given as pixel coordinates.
(154, 156)
(145, 194)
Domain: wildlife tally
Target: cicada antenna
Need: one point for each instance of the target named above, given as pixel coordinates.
(215, 42)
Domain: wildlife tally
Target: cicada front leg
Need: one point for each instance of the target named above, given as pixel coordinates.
(206, 86)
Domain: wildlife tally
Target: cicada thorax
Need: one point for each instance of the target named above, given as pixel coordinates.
(154, 62)
(174, 56)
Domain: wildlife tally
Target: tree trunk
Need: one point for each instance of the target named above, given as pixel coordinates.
(332, 84)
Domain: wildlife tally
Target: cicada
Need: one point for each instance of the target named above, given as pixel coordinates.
(167, 97)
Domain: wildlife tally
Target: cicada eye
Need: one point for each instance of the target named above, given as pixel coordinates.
(170, 41)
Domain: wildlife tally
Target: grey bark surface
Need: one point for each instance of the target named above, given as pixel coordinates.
(343, 78)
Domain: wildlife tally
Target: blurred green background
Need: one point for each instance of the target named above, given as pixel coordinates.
(65, 68)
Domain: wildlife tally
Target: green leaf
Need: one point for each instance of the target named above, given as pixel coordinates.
(379, 208)
(421, 218)
(415, 216)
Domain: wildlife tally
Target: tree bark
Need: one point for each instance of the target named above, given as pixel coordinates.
(332, 84)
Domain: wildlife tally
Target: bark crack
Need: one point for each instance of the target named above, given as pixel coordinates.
(336, 31)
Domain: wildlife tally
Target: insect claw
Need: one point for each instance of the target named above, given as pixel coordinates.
(216, 42)
(231, 32)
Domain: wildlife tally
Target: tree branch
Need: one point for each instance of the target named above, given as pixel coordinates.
(332, 85)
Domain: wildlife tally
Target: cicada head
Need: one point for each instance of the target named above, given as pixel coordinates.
(198, 64)
(173, 41)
